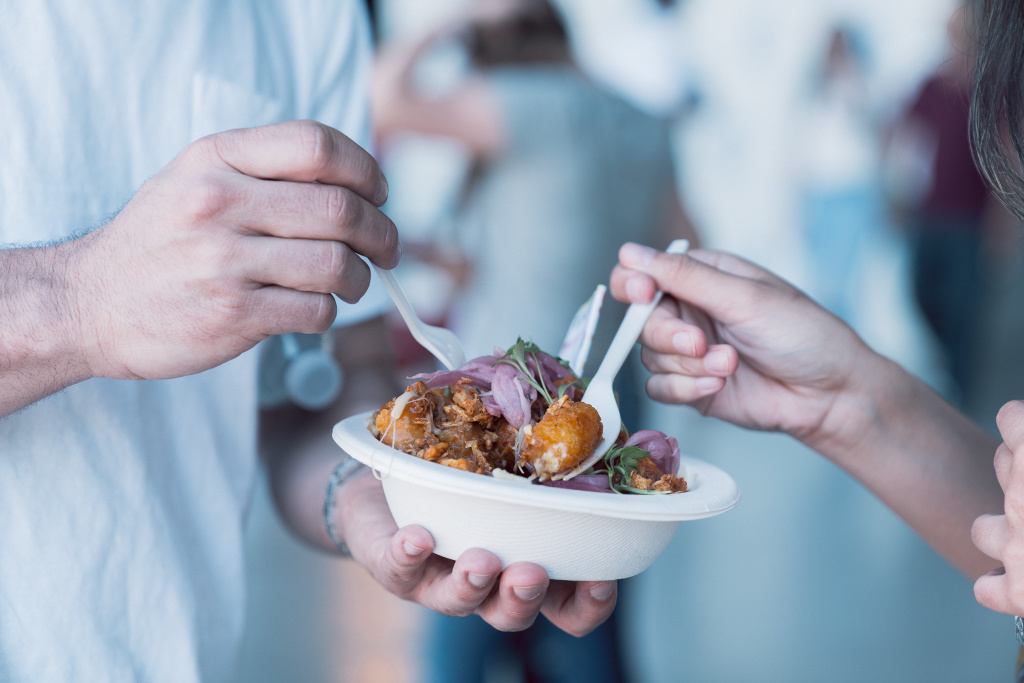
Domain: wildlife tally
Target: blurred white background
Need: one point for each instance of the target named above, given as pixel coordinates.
(810, 578)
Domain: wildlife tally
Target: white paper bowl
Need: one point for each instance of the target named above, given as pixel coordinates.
(574, 535)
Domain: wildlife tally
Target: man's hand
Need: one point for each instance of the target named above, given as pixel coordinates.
(245, 234)
(1001, 537)
(402, 562)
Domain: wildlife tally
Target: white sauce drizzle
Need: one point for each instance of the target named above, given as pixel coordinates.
(396, 412)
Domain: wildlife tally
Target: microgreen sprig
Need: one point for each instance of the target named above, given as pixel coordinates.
(516, 357)
(623, 461)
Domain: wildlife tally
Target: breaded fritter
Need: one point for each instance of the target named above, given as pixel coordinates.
(566, 435)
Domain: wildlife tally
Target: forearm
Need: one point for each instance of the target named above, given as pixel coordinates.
(920, 456)
(299, 480)
(40, 350)
(297, 446)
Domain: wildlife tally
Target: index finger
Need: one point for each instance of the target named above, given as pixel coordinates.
(302, 151)
(721, 284)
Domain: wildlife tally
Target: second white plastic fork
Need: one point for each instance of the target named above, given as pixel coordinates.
(440, 341)
(599, 392)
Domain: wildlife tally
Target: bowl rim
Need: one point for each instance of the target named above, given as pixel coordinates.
(712, 491)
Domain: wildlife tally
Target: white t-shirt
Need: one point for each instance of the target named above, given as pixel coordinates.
(122, 502)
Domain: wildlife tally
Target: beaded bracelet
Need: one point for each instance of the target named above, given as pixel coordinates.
(345, 469)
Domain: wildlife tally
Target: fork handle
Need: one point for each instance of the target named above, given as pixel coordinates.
(632, 324)
(402, 302)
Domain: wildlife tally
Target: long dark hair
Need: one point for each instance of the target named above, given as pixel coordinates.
(997, 107)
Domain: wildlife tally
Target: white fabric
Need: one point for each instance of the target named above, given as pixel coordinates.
(122, 502)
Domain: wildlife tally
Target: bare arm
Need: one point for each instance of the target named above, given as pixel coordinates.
(920, 456)
(297, 446)
(39, 351)
(243, 235)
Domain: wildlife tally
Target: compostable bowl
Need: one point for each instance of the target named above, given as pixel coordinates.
(574, 535)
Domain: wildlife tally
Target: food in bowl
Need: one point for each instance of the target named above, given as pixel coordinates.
(516, 415)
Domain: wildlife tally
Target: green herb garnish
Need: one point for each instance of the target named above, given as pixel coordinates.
(516, 357)
(623, 462)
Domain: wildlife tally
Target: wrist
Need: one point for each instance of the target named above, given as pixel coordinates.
(39, 305)
(337, 499)
(874, 390)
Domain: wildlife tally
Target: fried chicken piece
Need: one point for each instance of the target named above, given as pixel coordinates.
(647, 477)
(440, 428)
(566, 435)
(408, 421)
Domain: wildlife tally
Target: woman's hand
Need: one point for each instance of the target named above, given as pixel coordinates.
(401, 560)
(739, 343)
(1001, 537)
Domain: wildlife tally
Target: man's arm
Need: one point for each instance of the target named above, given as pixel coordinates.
(243, 235)
(39, 352)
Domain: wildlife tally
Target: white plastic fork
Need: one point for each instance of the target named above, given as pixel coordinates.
(440, 341)
(599, 392)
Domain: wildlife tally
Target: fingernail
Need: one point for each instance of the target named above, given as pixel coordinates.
(706, 384)
(716, 361)
(635, 255)
(602, 591)
(382, 190)
(635, 288)
(480, 580)
(684, 343)
(412, 550)
(527, 592)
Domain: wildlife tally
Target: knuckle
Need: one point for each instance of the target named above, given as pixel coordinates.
(336, 260)
(340, 206)
(317, 144)
(207, 200)
(207, 147)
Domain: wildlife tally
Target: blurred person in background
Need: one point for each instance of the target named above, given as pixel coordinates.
(841, 197)
(949, 212)
(740, 344)
(127, 381)
(563, 172)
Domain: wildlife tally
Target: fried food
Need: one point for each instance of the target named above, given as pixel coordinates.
(519, 414)
(566, 436)
(450, 427)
